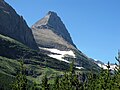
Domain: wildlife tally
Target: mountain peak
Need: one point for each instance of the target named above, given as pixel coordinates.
(48, 19)
(52, 22)
(52, 13)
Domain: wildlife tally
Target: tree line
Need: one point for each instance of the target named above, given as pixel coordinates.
(104, 80)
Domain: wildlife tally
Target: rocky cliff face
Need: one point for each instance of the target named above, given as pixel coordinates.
(51, 32)
(14, 26)
(52, 36)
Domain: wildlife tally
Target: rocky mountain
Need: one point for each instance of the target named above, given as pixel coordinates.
(14, 26)
(53, 39)
(51, 32)
(16, 41)
(52, 36)
(36, 64)
(104, 65)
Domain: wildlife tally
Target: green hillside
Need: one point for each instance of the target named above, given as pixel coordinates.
(13, 49)
(36, 64)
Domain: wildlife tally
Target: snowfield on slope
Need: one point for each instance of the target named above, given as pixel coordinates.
(79, 67)
(59, 54)
(112, 67)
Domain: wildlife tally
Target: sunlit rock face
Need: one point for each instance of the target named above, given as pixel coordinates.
(54, 39)
(51, 32)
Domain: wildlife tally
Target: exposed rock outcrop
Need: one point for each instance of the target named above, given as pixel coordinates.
(51, 35)
(14, 26)
(51, 32)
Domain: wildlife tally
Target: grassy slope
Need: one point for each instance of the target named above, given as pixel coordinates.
(37, 64)
(9, 67)
(7, 70)
(13, 49)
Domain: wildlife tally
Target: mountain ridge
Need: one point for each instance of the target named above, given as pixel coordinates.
(17, 44)
(50, 34)
(14, 26)
(53, 22)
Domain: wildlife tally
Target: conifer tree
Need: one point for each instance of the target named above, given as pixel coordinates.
(105, 79)
(56, 83)
(34, 86)
(45, 85)
(20, 82)
(117, 73)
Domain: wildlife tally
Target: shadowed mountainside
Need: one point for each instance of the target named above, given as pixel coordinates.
(14, 26)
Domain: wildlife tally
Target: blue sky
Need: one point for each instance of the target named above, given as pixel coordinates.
(94, 25)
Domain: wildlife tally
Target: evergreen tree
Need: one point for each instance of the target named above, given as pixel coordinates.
(117, 73)
(69, 81)
(56, 84)
(91, 82)
(72, 71)
(20, 82)
(45, 85)
(34, 86)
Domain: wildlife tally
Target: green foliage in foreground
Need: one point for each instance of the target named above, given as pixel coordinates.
(21, 82)
(105, 80)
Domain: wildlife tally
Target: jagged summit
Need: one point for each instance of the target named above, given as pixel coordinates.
(53, 23)
(46, 20)
(52, 13)
(54, 39)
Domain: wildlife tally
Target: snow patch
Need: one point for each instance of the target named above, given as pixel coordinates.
(104, 66)
(59, 54)
(59, 57)
(79, 67)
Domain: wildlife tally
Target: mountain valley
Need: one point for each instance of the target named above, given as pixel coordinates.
(45, 49)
